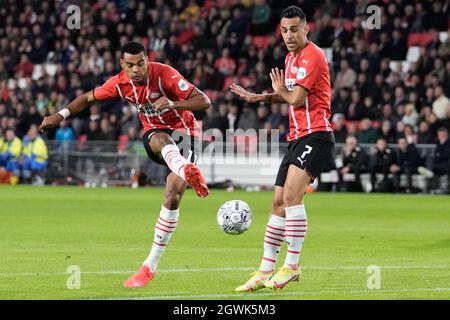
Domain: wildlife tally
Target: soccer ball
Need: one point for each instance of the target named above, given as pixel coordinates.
(234, 217)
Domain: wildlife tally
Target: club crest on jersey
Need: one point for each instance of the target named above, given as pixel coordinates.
(294, 69)
(182, 84)
(290, 83)
(301, 73)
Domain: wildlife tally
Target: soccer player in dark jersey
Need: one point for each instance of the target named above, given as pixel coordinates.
(165, 101)
(305, 86)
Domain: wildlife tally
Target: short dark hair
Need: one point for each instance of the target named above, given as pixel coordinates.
(292, 12)
(133, 47)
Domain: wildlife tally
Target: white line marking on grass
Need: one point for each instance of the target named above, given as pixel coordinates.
(381, 267)
(107, 272)
(230, 269)
(277, 293)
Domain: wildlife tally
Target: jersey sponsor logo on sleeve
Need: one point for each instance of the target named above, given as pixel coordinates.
(290, 83)
(301, 74)
(182, 84)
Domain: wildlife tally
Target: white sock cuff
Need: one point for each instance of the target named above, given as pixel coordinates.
(277, 221)
(169, 215)
(295, 211)
(169, 147)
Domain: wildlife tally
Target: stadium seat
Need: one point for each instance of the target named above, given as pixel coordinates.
(421, 39)
(426, 38)
(123, 143)
(246, 81)
(413, 39)
(329, 177)
(152, 55)
(81, 142)
(228, 81)
(223, 3)
(413, 54)
(443, 35)
(376, 124)
(261, 42)
(348, 25)
(329, 54)
(349, 123)
(212, 94)
(278, 31)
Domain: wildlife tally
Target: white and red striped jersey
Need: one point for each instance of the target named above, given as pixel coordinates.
(162, 80)
(309, 69)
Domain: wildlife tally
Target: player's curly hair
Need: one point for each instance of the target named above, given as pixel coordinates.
(292, 12)
(133, 47)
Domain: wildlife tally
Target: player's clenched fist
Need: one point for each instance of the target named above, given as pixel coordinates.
(163, 103)
(51, 121)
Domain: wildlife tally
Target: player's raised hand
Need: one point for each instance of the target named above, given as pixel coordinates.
(244, 94)
(277, 77)
(50, 121)
(163, 103)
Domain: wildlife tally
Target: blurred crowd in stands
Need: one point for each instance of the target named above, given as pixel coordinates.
(381, 87)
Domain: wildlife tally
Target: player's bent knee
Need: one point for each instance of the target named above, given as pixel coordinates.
(158, 141)
(292, 198)
(161, 139)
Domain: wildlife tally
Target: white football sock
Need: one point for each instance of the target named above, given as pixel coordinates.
(273, 240)
(176, 162)
(296, 226)
(165, 226)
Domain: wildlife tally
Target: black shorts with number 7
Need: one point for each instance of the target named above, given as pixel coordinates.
(312, 153)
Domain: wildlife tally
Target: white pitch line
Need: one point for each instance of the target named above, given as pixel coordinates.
(278, 293)
(230, 269)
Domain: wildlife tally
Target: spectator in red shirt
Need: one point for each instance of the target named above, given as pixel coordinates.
(25, 67)
(225, 64)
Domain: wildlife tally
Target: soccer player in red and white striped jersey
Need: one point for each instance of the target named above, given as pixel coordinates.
(165, 101)
(305, 86)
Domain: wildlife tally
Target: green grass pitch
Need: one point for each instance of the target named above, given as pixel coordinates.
(108, 232)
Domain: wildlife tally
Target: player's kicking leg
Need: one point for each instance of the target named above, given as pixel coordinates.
(162, 145)
(273, 240)
(162, 149)
(164, 228)
(297, 181)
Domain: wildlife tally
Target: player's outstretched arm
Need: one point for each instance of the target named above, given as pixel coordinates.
(77, 105)
(196, 101)
(255, 97)
(296, 97)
